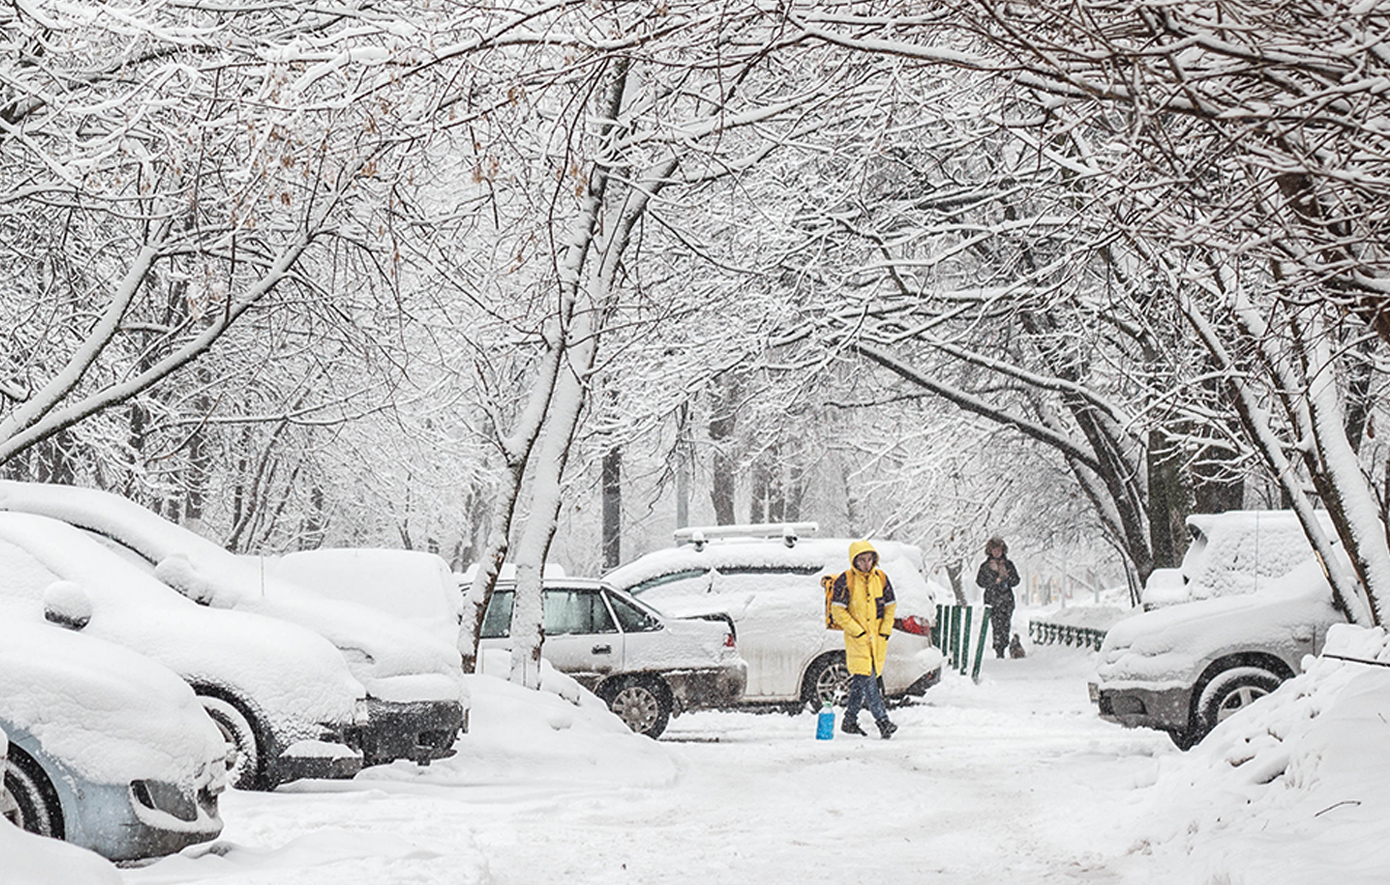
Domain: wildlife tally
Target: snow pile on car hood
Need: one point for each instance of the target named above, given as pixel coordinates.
(1305, 766)
(111, 715)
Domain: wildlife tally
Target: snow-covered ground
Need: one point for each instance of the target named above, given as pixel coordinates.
(1012, 779)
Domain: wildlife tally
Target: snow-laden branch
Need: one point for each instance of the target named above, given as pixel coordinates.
(971, 403)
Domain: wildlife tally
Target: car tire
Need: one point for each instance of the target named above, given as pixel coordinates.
(243, 753)
(1228, 692)
(38, 808)
(826, 678)
(1183, 738)
(642, 705)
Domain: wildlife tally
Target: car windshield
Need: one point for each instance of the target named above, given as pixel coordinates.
(690, 580)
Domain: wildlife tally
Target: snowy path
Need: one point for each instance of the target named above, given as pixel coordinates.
(1013, 778)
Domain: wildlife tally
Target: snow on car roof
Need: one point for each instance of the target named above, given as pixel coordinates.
(109, 713)
(412, 584)
(1239, 550)
(902, 562)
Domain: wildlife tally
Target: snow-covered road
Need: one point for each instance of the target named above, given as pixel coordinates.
(1013, 779)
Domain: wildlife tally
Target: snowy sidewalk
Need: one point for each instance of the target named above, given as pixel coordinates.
(1012, 779)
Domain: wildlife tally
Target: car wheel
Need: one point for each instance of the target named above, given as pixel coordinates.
(38, 808)
(826, 679)
(642, 705)
(1229, 692)
(243, 754)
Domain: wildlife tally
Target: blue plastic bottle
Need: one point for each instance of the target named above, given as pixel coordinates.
(825, 723)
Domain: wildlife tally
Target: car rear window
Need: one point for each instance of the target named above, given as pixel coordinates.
(633, 619)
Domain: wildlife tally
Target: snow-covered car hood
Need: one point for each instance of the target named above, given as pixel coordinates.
(391, 658)
(1172, 645)
(294, 676)
(111, 715)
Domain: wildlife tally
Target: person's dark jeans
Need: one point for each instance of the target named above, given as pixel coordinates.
(863, 691)
(1001, 622)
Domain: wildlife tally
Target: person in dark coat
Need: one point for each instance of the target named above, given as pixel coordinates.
(998, 577)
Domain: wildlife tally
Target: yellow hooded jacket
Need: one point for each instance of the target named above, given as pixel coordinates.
(862, 605)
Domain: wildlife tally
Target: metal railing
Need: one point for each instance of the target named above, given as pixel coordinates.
(1047, 633)
(952, 634)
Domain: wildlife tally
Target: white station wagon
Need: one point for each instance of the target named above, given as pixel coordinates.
(766, 581)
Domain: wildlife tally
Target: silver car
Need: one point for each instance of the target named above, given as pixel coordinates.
(107, 749)
(645, 666)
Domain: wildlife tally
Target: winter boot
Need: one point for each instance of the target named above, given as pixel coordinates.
(851, 726)
(886, 728)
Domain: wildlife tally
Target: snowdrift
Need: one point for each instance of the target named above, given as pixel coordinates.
(1294, 789)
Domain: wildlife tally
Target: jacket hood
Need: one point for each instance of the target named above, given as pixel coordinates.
(996, 541)
(858, 547)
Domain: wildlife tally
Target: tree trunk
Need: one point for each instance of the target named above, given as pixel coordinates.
(612, 507)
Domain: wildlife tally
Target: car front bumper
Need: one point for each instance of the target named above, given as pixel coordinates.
(421, 731)
(707, 687)
(324, 760)
(1166, 709)
(113, 821)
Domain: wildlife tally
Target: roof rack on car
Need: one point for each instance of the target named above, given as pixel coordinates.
(789, 532)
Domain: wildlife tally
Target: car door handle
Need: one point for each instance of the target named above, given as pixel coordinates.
(601, 650)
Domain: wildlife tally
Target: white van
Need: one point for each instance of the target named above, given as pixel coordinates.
(765, 579)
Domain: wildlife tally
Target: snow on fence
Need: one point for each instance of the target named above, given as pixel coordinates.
(1047, 633)
(952, 633)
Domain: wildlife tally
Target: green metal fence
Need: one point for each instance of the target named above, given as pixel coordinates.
(1046, 633)
(955, 628)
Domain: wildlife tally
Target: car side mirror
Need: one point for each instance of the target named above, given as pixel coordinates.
(177, 572)
(67, 605)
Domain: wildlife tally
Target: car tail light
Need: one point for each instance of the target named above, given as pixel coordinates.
(729, 640)
(912, 624)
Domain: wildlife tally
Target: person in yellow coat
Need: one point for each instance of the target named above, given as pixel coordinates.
(862, 605)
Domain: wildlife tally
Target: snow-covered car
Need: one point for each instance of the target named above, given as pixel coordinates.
(108, 749)
(281, 695)
(646, 666)
(766, 580)
(1232, 553)
(1184, 668)
(415, 689)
